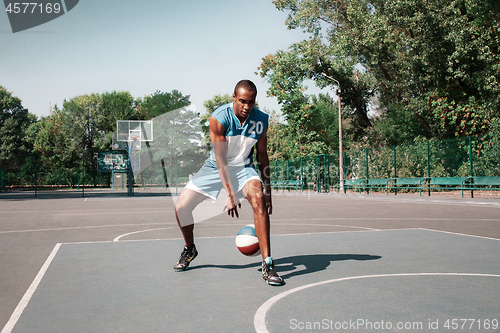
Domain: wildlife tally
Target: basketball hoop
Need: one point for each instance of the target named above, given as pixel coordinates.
(133, 132)
(135, 142)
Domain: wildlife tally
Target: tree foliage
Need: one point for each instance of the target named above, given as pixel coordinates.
(15, 139)
(70, 137)
(210, 106)
(434, 61)
(159, 103)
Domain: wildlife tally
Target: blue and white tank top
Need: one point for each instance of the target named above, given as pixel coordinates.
(241, 138)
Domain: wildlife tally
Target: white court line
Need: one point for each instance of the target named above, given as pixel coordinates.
(259, 320)
(136, 197)
(84, 227)
(29, 293)
(412, 199)
(232, 236)
(275, 235)
(362, 219)
(272, 220)
(326, 225)
(139, 231)
(459, 234)
(225, 225)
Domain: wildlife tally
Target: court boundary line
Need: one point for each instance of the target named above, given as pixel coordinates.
(116, 239)
(450, 200)
(82, 227)
(251, 220)
(260, 314)
(232, 236)
(312, 233)
(458, 234)
(18, 311)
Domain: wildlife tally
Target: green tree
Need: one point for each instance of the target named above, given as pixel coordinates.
(114, 106)
(159, 103)
(83, 116)
(15, 147)
(436, 61)
(210, 106)
(60, 154)
(324, 120)
(310, 59)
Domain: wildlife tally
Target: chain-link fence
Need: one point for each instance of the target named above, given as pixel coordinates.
(161, 176)
(458, 157)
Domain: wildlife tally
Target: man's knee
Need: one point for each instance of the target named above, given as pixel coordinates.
(181, 208)
(257, 199)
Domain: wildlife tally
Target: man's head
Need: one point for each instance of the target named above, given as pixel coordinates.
(244, 97)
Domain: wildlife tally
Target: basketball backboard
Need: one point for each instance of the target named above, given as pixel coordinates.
(134, 130)
(118, 145)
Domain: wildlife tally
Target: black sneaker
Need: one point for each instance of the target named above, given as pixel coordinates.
(269, 274)
(187, 255)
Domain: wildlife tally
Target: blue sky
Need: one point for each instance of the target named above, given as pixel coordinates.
(200, 48)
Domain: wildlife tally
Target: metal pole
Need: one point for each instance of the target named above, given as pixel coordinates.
(367, 173)
(130, 172)
(395, 171)
(302, 174)
(341, 150)
(83, 180)
(327, 166)
(470, 161)
(288, 169)
(428, 165)
(318, 175)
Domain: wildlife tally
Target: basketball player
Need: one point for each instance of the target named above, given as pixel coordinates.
(235, 129)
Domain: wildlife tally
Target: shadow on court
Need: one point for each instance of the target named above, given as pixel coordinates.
(313, 263)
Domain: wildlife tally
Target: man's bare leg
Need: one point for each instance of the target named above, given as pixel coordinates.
(187, 202)
(255, 196)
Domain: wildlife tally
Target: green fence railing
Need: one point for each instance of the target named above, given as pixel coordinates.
(457, 157)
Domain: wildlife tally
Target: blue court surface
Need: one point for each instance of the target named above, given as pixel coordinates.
(407, 280)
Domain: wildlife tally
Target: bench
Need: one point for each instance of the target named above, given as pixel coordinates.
(277, 184)
(294, 184)
(423, 183)
(286, 184)
(351, 184)
(448, 183)
(382, 183)
(483, 183)
(408, 183)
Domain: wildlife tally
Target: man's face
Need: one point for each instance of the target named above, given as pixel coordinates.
(244, 101)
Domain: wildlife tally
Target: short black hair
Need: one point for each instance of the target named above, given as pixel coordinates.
(247, 85)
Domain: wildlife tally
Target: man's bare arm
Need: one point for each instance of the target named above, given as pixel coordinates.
(219, 143)
(263, 162)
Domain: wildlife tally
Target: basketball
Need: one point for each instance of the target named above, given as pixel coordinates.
(247, 241)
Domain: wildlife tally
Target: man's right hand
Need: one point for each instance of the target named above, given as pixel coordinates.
(232, 205)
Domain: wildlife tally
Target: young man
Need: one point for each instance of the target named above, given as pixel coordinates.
(235, 129)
